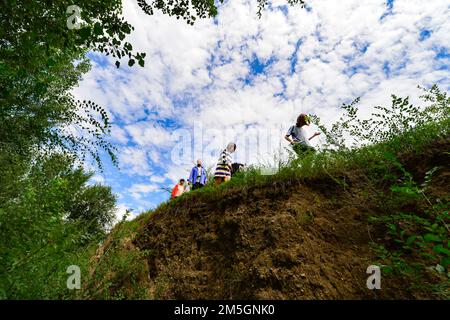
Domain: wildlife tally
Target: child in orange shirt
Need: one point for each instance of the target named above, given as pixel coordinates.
(178, 189)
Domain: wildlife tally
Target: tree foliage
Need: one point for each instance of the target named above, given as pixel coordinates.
(49, 215)
(36, 32)
(41, 60)
(190, 11)
(47, 223)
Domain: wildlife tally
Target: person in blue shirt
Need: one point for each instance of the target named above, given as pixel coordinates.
(197, 178)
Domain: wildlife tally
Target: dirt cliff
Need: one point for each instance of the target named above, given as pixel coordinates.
(286, 239)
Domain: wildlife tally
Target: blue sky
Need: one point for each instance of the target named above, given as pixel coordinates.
(244, 79)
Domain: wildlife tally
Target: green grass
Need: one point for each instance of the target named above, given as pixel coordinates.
(330, 164)
(120, 271)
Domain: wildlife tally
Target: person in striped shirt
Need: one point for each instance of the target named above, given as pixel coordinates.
(223, 168)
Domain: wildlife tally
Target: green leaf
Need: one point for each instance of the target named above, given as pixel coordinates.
(141, 62)
(440, 249)
(128, 46)
(445, 262)
(131, 62)
(98, 30)
(410, 240)
(429, 237)
(51, 62)
(126, 29)
(389, 156)
(117, 64)
(85, 33)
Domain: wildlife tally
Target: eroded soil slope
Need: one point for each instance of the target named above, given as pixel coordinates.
(285, 240)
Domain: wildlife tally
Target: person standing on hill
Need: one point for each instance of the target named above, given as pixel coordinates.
(223, 168)
(197, 178)
(178, 190)
(297, 135)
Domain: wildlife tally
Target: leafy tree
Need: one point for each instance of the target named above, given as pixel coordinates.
(41, 60)
(93, 206)
(48, 226)
(36, 32)
(191, 10)
(263, 3)
(48, 214)
(181, 8)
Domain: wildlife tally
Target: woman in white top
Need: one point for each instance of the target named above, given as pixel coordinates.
(297, 137)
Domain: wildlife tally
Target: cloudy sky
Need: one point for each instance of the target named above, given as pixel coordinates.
(244, 79)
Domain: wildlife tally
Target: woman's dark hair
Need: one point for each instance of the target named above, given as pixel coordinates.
(302, 120)
(182, 180)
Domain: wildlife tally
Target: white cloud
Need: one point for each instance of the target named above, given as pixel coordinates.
(97, 179)
(134, 161)
(149, 134)
(157, 179)
(143, 188)
(140, 193)
(119, 134)
(139, 189)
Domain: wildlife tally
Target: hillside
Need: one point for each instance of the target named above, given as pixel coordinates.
(284, 237)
